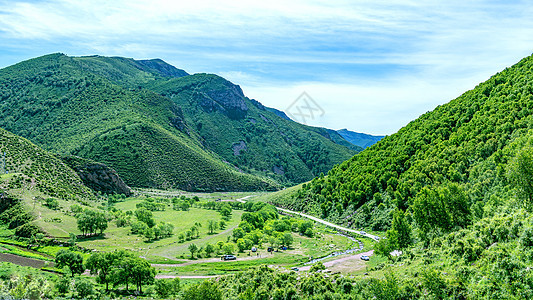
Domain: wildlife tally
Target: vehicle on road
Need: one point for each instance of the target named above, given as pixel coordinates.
(295, 269)
(228, 257)
(364, 257)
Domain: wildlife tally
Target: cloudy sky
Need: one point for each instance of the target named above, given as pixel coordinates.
(371, 66)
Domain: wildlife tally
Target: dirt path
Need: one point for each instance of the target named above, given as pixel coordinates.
(374, 237)
(343, 262)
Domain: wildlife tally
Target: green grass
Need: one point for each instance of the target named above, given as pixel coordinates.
(228, 267)
(166, 248)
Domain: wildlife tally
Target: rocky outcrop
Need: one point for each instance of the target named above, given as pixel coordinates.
(97, 176)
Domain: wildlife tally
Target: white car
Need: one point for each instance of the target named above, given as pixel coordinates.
(364, 257)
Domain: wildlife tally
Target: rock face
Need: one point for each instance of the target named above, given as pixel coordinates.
(97, 176)
(238, 147)
(229, 100)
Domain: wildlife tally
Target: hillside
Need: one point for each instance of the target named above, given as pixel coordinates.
(468, 141)
(362, 140)
(157, 126)
(30, 169)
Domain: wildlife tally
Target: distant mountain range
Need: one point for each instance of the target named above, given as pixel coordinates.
(359, 139)
(158, 126)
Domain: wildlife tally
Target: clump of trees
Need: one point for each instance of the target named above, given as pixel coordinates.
(91, 221)
(121, 268)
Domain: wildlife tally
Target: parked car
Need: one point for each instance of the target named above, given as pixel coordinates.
(364, 257)
(270, 249)
(228, 257)
(295, 269)
(254, 249)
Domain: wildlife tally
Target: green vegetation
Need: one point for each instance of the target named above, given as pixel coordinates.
(158, 127)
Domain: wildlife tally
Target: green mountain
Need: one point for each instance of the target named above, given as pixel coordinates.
(468, 141)
(159, 127)
(30, 169)
(362, 140)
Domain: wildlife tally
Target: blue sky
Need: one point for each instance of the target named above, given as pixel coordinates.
(372, 66)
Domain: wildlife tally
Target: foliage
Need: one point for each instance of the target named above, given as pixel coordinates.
(91, 221)
(144, 125)
(72, 260)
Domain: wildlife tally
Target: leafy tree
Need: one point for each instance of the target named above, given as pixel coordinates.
(521, 175)
(142, 273)
(238, 233)
(212, 226)
(90, 221)
(207, 290)
(287, 239)
(222, 225)
(209, 249)
(84, 288)
(70, 259)
(193, 249)
(319, 266)
(102, 264)
(145, 216)
(400, 233)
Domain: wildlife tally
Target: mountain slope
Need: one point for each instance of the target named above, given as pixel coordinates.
(58, 104)
(31, 169)
(360, 139)
(209, 135)
(249, 135)
(468, 141)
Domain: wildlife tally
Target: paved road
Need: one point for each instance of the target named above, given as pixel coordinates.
(374, 237)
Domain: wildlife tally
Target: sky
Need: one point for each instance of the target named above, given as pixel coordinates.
(369, 66)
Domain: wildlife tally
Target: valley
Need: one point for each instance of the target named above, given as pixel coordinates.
(127, 178)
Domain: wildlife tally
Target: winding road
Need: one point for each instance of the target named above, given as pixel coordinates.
(374, 237)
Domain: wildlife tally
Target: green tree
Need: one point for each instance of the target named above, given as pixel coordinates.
(101, 264)
(192, 248)
(72, 260)
(207, 290)
(212, 226)
(145, 216)
(209, 249)
(287, 239)
(142, 273)
(400, 233)
(521, 175)
(238, 233)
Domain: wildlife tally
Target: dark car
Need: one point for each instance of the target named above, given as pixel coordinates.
(228, 257)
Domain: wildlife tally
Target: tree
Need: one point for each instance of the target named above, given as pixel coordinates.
(521, 175)
(67, 258)
(101, 264)
(207, 290)
(287, 239)
(225, 211)
(222, 225)
(238, 233)
(145, 216)
(228, 248)
(142, 273)
(209, 249)
(400, 233)
(90, 221)
(192, 248)
(212, 226)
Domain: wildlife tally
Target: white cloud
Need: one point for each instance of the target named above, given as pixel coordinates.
(376, 63)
